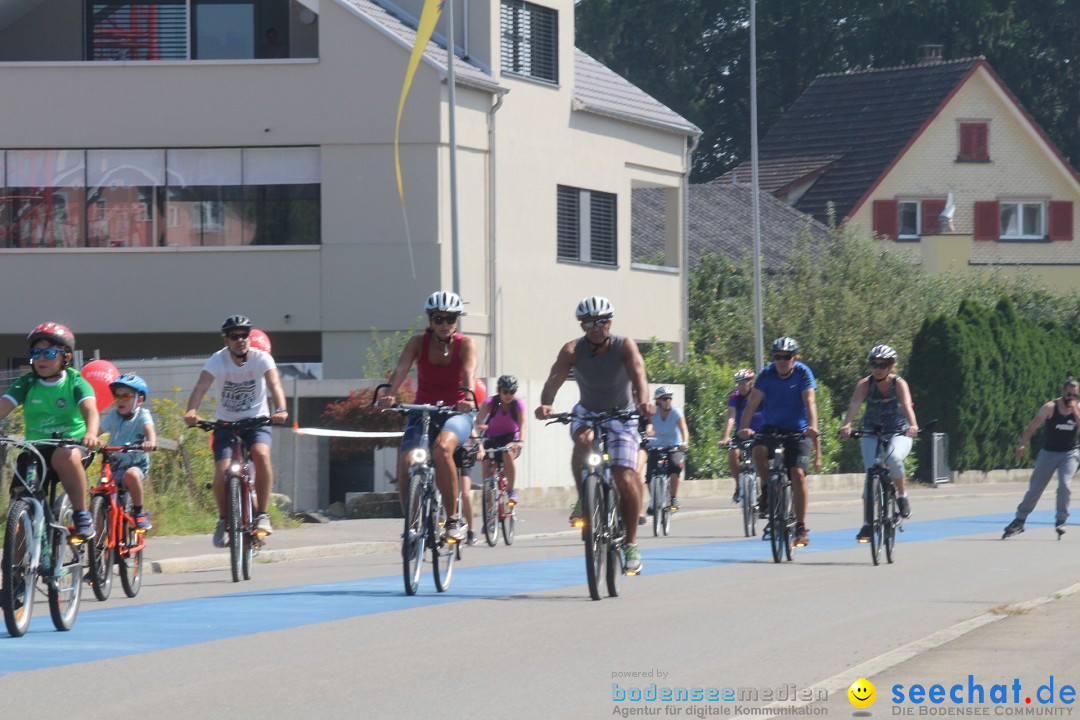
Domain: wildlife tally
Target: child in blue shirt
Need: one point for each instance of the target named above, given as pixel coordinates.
(127, 421)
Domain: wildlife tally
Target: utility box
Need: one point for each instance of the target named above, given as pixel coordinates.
(934, 460)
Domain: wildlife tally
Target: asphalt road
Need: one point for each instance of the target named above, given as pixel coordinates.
(516, 636)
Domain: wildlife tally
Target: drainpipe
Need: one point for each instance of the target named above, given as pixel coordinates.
(684, 244)
(493, 292)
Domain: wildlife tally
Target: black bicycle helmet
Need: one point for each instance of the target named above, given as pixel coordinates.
(508, 383)
(236, 322)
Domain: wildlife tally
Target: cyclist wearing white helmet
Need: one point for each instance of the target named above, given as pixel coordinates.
(669, 428)
(744, 381)
(248, 386)
(788, 390)
(888, 406)
(610, 374)
(445, 363)
(128, 421)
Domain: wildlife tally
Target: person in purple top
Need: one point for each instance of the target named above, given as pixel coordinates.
(744, 380)
(502, 418)
(787, 389)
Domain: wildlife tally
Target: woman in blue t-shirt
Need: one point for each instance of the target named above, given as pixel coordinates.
(744, 381)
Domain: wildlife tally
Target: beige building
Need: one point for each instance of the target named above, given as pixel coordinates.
(165, 164)
(938, 159)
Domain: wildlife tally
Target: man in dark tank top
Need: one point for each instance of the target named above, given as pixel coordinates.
(610, 374)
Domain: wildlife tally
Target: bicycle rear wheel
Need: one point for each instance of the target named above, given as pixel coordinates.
(877, 516)
(789, 526)
(595, 549)
(443, 553)
(412, 539)
(508, 517)
(129, 554)
(777, 519)
(17, 582)
(246, 533)
(748, 491)
(655, 504)
(99, 557)
(65, 583)
(614, 570)
(235, 526)
(665, 506)
(490, 502)
(892, 514)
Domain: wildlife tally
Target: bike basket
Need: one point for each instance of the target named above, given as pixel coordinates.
(465, 456)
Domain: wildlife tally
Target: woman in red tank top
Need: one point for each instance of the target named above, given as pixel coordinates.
(445, 362)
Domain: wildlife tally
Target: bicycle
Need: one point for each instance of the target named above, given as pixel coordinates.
(425, 513)
(748, 485)
(116, 538)
(604, 532)
(498, 509)
(880, 494)
(781, 512)
(660, 487)
(38, 542)
(245, 540)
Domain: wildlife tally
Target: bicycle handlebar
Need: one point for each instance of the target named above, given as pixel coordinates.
(413, 407)
(593, 418)
(244, 424)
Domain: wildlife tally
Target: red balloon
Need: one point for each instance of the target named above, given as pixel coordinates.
(480, 391)
(260, 340)
(99, 374)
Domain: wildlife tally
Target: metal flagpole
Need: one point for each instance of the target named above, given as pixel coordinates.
(450, 79)
(759, 331)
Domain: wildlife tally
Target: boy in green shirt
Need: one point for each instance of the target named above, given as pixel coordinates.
(57, 403)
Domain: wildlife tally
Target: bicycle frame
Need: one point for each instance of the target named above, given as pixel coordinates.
(748, 484)
(496, 506)
(781, 527)
(659, 483)
(112, 491)
(879, 492)
(116, 538)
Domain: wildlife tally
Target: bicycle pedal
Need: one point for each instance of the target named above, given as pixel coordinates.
(261, 533)
(73, 540)
(579, 523)
(631, 573)
(140, 531)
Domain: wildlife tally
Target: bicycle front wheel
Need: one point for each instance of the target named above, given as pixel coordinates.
(749, 495)
(892, 515)
(443, 553)
(508, 517)
(595, 549)
(65, 583)
(789, 526)
(412, 539)
(656, 504)
(99, 556)
(615, 560)
(777, 519)
(129, 554)
(235, 526)
(17, 582)
(248, 523)
(665, 506)
(877, 516)
(490, 502)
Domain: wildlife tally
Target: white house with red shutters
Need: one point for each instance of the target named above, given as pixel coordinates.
(939, 159)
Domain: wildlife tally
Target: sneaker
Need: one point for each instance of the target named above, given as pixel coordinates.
(513, 499)
(142, 521)
(220, 538)
(577, 516)
(456, 529)
(84, 525)
(1060, 529)
(736, 497)
(1014, 528)
(864, 534)
(649, 510)
(470, 538)
(262, 525)
(641, 519)
(802, 536)
(674, 503)
(905, 507)
(632, 564)
(762, 509)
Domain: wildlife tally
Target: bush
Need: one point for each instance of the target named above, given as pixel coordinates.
(357, 413)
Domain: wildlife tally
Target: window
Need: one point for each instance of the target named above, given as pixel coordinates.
(586, 226)
(1022, 221)
(154, 198)
(907, 219)
(530, 40)
(974, 142)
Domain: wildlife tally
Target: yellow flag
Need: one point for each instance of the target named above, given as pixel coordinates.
(428, 19)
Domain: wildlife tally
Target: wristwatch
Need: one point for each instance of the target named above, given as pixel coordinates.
(277, 410)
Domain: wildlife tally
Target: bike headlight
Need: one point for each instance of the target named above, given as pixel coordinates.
(235, 469)
(595, 460)
(419, 455)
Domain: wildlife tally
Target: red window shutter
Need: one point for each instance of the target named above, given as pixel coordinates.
(1061, 220)
(982, 141)
(931, 210)
(887, 218)
(987, 220)
(974, 142)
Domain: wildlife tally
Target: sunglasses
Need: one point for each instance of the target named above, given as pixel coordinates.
(1069, 397)
(590, 324)
(123, 395)
(666, 397)
(47, 353)
(444, 319)
(237, 336)
(880, 365)
(784, 357)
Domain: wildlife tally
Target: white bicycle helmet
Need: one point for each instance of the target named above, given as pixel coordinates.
(662, 391)
(594, 306)
(785, 344)
(444, 301)
(744, 374)
(881, 352)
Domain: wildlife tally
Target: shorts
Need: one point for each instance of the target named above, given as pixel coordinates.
(899, 447)
(252, 436)
(135, 460)
(796, 451)
(461, 424)
(624, 440)
(676, 461)
(22, 462)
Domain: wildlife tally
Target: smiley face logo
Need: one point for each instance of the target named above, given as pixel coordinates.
(862, 693)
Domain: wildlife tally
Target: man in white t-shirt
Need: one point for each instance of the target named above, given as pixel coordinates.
(244, 376)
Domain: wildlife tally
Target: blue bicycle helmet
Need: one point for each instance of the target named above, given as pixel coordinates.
(133, 381)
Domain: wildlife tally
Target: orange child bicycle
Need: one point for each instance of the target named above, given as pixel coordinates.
(116, 537)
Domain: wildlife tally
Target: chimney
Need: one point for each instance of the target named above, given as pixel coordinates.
(931, 54)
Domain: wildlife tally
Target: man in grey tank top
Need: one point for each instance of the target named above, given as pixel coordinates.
(610, 374)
